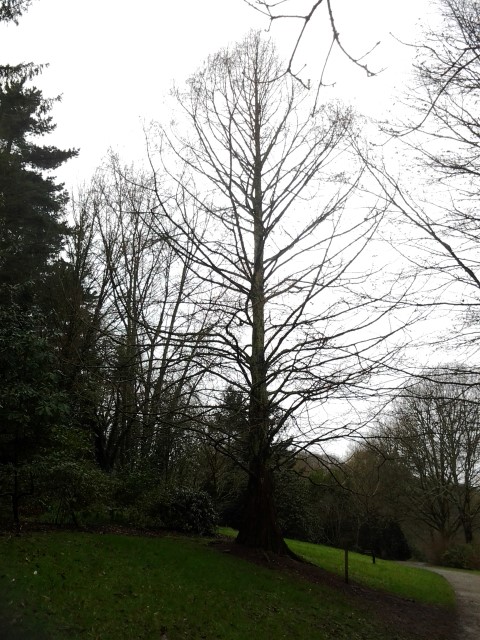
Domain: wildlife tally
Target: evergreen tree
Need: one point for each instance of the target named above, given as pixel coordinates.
(32, 232)
(31, 405)
(31, 228)
(11, 10)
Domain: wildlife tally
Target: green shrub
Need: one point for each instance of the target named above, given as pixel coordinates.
(186, 510)
(134, 488)
(69, 487)
(461, 556)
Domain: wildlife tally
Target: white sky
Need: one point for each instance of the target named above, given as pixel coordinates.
(114, 61)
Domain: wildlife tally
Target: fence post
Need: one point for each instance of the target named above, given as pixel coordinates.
(346, 565)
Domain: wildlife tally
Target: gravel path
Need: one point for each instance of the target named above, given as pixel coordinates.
(467, 591)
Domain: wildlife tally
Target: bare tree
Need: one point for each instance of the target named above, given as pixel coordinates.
(446, 73)
(436, 435)
(302, 14)
(440, 201)
(262, 192)
(145, 371)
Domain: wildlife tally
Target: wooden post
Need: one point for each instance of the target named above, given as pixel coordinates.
(346, 565)
(373, 556)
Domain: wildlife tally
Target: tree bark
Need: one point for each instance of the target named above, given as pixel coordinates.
(259, 528)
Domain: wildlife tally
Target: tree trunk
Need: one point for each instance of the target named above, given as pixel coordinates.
(467, 529)
(465, 515)
(16, 503)
(259, 528)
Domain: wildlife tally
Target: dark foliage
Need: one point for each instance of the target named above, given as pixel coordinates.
(11, 10)
(298, 513)
(31, 204)
(385, 538)
(462, 556)
(186, 510)
(32, 232)
(31, 403)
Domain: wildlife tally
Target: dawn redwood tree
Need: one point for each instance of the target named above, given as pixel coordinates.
(301, 15)
(260, 209)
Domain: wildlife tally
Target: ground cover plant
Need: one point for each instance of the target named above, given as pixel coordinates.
(59, 585)
(401, 580)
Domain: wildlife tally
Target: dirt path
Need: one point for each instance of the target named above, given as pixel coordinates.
(467, 590)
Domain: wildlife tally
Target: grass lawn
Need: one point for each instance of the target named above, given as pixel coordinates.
(74, 585)
(408, 582)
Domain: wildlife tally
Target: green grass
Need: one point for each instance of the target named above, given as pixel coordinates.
(408, 582)
(69, 585)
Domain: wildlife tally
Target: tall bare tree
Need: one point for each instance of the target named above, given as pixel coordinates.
(302, 14)
(437, 191)
(144, 304)
(262, 192)
(436, 436)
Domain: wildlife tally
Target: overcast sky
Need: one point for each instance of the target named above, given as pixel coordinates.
(114, 61)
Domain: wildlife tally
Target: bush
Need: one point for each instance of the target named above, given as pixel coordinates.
(461, 556)
(135, 488)
(385, 538)
(394, 543)
(69, 487)
(186, 510)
